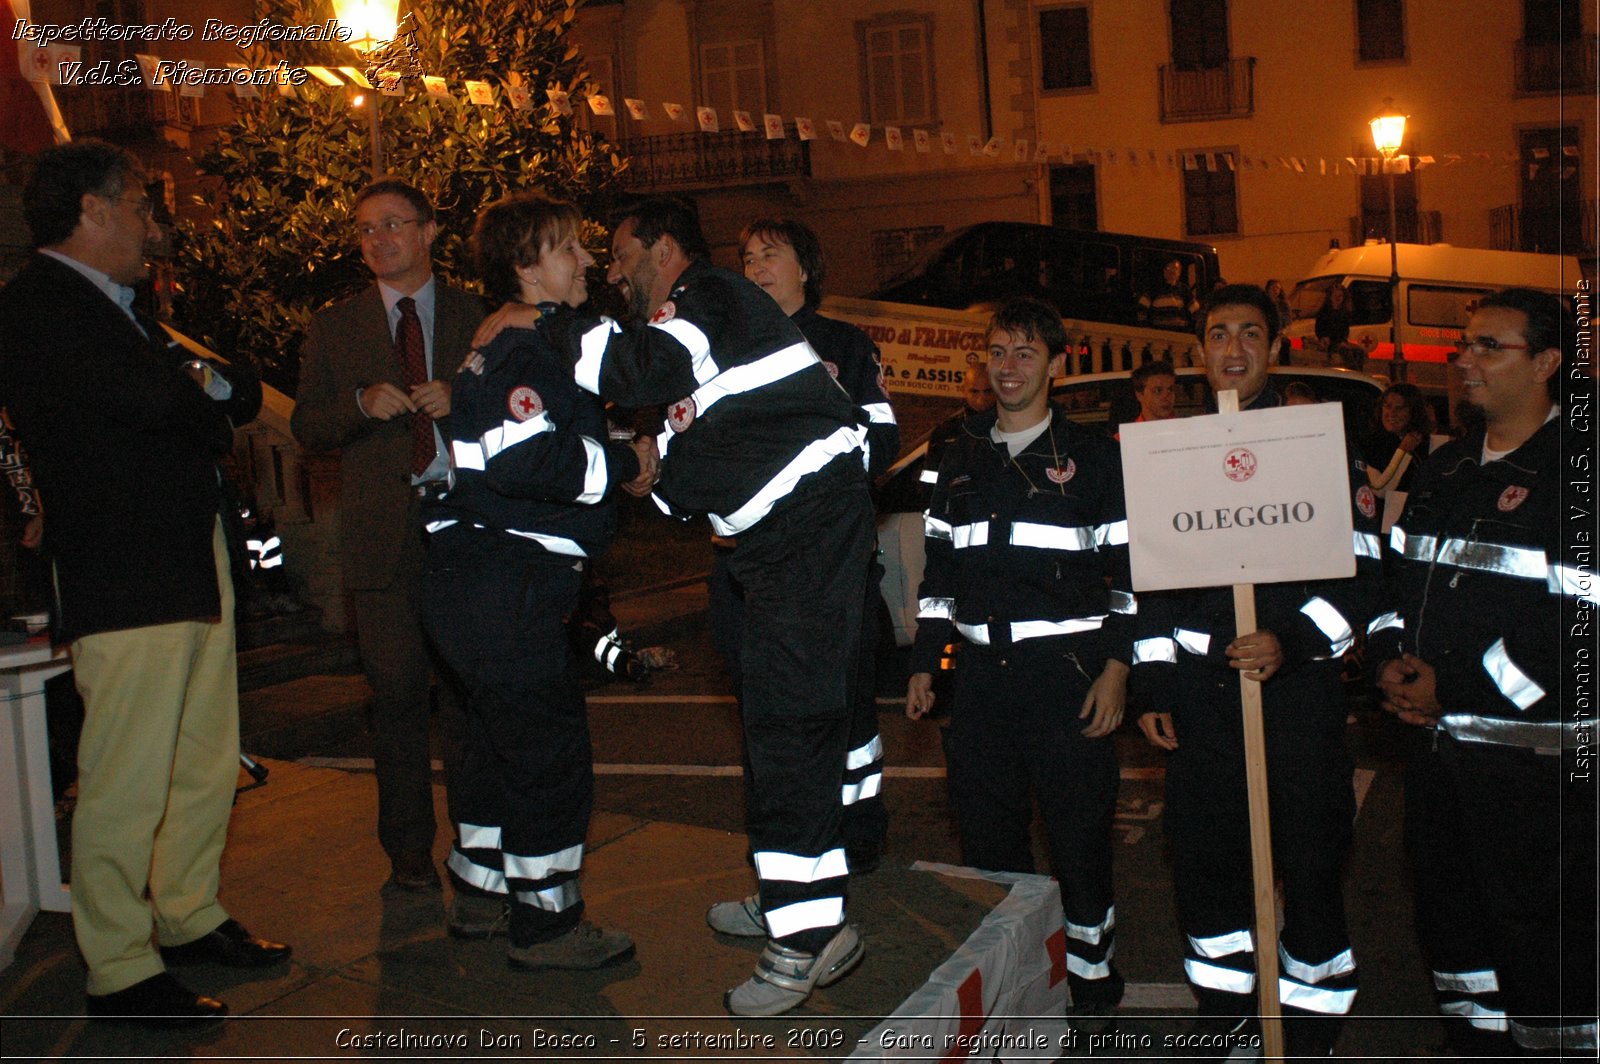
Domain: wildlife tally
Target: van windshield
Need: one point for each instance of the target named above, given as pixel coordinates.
(1369, 300)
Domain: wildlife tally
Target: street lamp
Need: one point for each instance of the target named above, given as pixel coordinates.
(1388, 133)
(371, 23)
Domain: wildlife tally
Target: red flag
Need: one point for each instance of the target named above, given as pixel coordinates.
(25, 117)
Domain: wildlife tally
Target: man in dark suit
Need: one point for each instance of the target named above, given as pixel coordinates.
(124, 429)
(374, 379)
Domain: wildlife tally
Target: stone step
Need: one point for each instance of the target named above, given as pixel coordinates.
(327, 653)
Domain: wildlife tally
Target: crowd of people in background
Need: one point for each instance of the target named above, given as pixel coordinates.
(482, 453)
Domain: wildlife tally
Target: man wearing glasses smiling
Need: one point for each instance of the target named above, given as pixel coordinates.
(1500, 808)
(374, 379)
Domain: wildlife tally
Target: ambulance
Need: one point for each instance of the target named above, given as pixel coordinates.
(1440, 287)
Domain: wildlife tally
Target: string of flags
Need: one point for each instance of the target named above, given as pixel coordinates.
(56, 63)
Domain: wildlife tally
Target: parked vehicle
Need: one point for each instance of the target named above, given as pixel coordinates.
(1089, 400)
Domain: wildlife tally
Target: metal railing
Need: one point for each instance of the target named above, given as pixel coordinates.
(1224, 91)
(1556, 66)
(1514, 228)
(688, 160)
(1415, 227)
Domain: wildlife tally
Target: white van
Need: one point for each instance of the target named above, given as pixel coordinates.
(1440, 287)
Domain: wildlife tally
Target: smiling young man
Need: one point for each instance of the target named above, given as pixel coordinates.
(1500, 814)
(1028, 564)
(1187, 662)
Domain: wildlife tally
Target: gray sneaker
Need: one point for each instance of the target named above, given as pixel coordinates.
(475, 917)
(585, 946)
(785, 977)
(742, 917)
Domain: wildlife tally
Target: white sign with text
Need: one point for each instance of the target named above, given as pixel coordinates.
(1256, 497)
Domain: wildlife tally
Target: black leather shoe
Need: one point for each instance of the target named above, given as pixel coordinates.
(230, 945)
(160, 1001)
(413, 871)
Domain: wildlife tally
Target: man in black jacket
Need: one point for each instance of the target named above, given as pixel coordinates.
(125, 430)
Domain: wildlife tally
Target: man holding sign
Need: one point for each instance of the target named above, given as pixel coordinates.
(1187, 664)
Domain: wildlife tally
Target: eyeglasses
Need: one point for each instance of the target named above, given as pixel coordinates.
(1483, 345)
(388, 227)
(141, 204)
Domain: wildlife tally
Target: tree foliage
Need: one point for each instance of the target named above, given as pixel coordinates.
(279, 243)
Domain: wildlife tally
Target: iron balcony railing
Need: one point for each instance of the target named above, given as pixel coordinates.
(1224, 91)
(1556, 66)
(690, 160)
(1515, 228)
(1415, 227)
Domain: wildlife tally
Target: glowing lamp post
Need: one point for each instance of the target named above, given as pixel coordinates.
(371, 23)
(1388, 133)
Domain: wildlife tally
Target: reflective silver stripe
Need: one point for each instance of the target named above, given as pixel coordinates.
(974, 535)
(1049, 537)
(1516, 685)
(792, 868)
(1367, 545)
(508, 434)
(1386, 620)
(1222, 945)
(1197, 643)
(1020, 630)
(1218, 978)
(271, 563)
(1088, 970)
(1572, 1036)
(592, 354)
(483, 878)
(1331, 623)
(1124, 602)
(816, 454)
(769, 369)
(438, 526)
(1416, 548)
(1325, 1000)
(545, 865)
(608, 646)
(556, 899)
(880, 413)
(864, 755)
(1480, 1016)
(1568, 580)
(1484, 981)
(477, 837)
(929, 476)
(934, 528)
(851, 793)
(596, 477)
(1114, 534)
(1341, 964)
(1158, 649)
(466, 454)
(553, 544)
(1523, 562)
(1541, 736)
(935, 609)
(804, 915)
(1091, 934)
(695, 342)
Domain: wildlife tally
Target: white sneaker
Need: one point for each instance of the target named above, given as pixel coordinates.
(785, 977)
(742, 917)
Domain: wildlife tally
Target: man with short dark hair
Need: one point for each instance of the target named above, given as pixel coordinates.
(1500, 808)
(1027, 548)
(124, 428)
(1155, 385)
(374, 381)
(1187, 662)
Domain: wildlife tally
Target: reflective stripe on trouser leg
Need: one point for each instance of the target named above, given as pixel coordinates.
(865, 822)
(802, 571)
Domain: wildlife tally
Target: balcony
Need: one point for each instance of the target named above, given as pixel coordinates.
(1515, 228)
(1226, 91)
(681, 161)
(124, 113)
(1556, 66)
(1414, 227)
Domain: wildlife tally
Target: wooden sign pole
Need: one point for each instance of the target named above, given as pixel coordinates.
(1255, 765)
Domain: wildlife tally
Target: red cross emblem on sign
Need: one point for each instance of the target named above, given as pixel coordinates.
(1239, 464)
(680, 415)
(525, 403)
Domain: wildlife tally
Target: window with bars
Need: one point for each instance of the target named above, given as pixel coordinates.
(897, 71)
(895, 249)
(1210, 193)
(1065, 59)
(733, 78)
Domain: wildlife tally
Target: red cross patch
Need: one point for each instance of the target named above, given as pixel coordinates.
(680, 415)
(1366, 501)
(1062, 474)
(665, 312)
(524, 403)
(1512, 498)
(833, 368)
(1239, 464)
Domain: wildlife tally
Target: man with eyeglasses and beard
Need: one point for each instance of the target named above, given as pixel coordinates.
(1487, 579)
